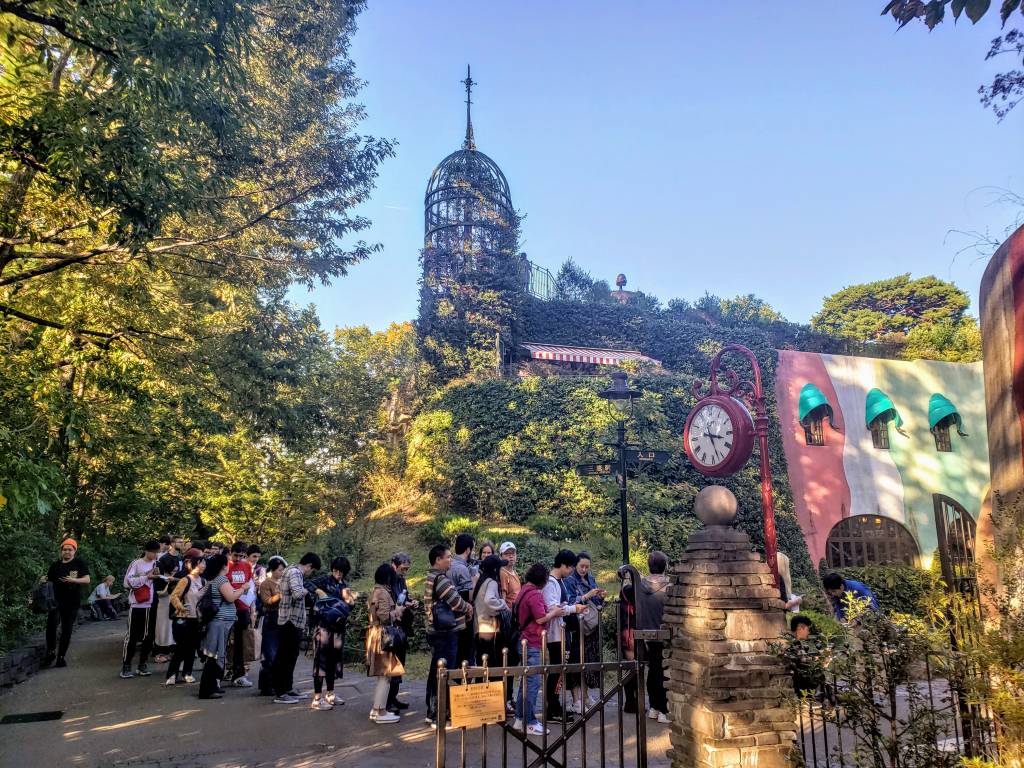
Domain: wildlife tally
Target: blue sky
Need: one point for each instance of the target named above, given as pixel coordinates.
(785, 149)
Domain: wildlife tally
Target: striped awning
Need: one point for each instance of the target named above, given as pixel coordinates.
(591, 355)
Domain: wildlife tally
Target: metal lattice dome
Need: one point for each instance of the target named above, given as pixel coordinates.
(468, 202)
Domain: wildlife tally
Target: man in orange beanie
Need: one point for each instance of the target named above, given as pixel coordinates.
(67, 575)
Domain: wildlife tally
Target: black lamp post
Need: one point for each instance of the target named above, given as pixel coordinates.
(621, 396)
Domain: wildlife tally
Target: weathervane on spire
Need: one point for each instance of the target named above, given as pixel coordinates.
(470, 142)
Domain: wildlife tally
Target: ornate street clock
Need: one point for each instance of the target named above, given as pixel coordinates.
(719, 435)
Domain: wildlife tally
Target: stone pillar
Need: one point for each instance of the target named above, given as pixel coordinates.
(726, 687)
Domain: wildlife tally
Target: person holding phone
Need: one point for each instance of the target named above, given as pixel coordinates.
(138, 580)
(583, 591)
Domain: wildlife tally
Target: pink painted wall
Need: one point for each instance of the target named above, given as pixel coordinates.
(821, 494)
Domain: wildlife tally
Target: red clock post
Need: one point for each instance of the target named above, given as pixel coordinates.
(719, 433)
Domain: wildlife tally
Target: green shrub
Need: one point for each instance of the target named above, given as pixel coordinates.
(445, 529)
(899, 588)
(554, 527)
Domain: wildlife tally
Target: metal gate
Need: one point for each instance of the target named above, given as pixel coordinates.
(957, 546)
(567, 743)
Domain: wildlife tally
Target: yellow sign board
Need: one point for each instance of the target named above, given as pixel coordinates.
(477, 704)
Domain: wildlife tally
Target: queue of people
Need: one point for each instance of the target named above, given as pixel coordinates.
(216, 606)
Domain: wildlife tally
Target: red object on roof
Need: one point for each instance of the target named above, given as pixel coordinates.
(590, 355)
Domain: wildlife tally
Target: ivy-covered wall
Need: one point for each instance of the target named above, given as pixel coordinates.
(508, 447)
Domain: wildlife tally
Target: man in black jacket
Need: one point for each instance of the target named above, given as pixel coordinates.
(67, 575)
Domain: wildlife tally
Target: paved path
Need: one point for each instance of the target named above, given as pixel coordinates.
(108, 722)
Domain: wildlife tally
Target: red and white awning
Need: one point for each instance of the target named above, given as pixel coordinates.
(588, 355)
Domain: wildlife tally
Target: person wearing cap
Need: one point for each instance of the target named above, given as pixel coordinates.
(510, 583)
(510, 588)
(67, 575)
(138, 580)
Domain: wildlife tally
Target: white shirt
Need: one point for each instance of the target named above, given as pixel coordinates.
(553, 596)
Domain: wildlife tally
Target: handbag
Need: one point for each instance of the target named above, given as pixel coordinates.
(249, 641)
(589, 619)
(43, 598)
(443, 617)
(392, 638)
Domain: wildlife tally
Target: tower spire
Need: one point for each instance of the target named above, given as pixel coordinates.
(470, 142)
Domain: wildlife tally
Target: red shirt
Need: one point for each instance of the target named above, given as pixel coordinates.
(238, 574)
(531, 608)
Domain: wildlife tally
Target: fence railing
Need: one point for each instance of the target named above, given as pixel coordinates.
(930, 720)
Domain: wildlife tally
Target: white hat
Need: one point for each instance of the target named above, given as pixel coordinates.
(505, 547)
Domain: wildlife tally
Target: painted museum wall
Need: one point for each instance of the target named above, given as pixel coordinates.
(848, 476)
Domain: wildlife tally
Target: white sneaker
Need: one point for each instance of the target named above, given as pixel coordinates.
(652, 714)
(593, 697)
(320, 703)
(576, 709)
(243, 682)
(386, 717)
(536, 729)
(169, 681)
(663, 718)
(189, 679)
(517, 725)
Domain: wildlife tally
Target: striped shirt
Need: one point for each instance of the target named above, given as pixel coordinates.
(225, 609)
(438, 583)
(292, 607)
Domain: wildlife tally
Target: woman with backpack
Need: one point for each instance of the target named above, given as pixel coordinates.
(532, 616)
(336, 601)
(488, 607)
(185, 624)
(215, 642)
(383, 637)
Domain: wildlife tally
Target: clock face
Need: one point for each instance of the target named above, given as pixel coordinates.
(711, 435)
(718, 436)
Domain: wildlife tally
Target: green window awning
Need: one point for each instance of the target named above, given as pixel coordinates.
(879, 404)
(941, 407)
(812, 398)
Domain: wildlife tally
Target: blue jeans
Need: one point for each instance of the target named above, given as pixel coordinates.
(269, 646)
(532, 689)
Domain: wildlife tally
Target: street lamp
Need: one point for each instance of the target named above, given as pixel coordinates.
(621, 397)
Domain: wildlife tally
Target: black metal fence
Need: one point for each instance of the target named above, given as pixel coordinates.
(931, 720)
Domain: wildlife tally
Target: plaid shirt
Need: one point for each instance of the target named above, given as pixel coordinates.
(293, 599)
(446, 592)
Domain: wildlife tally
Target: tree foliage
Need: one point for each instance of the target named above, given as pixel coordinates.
(1006, 88)
(921, 318)
(166, 172)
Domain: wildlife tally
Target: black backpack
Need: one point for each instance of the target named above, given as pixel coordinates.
(206, 608)
(43, 598)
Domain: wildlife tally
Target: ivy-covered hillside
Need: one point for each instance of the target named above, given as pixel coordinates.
(507, 448)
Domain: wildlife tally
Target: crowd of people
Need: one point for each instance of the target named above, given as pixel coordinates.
(224, 608)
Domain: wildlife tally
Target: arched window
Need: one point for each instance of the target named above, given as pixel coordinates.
(942, 415)
(878, 412)
(813, 408)
(870, 540)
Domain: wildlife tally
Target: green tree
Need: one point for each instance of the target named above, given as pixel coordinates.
(888, 310)
(1006, 88)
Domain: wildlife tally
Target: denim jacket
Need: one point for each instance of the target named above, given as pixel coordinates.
(577, 586)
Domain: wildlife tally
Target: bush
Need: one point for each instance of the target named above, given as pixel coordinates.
(552, 527)
(445, 529)
(899, 588)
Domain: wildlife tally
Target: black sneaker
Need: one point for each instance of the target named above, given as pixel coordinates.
(60, 662)
(47, 659)
(143, 670)
(126, 672)
(397, 706)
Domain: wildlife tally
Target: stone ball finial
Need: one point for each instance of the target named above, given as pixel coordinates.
(620, 280)
(715, 505)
